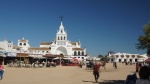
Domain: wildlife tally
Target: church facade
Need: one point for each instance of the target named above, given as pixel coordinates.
(62, 46)
(59, 46)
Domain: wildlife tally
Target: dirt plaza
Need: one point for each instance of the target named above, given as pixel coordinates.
(66, 75)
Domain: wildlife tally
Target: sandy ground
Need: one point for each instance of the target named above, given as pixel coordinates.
(66, 75)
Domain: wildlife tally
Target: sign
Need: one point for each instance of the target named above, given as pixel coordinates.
(11, 54)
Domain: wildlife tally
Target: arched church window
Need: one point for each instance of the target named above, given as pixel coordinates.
(61, 37)
(75, 53)
(78, 52)
(24, 44)
(20, 44)
(82, 53)
(64, 38)
(58, 37)
(61, 31)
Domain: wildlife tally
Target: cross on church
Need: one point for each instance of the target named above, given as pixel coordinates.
(61, 17)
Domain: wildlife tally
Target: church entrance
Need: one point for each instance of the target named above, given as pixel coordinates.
(61, 51)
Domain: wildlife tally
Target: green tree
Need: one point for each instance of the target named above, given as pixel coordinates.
(99, 56)
(103, 58)
(144, 40)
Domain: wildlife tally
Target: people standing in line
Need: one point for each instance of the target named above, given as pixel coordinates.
(1, 71)
(144, 75)
(96, 71)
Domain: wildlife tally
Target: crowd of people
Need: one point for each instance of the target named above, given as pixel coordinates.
(140, 68)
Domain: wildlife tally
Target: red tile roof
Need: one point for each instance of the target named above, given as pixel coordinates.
(22, 40)
(38, 48)
(52, 55)
(45, 43)
(1, 48)
(73, 43)
(16, 47)
(77, 49)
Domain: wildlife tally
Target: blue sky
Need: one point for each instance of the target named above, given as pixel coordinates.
(101, 25)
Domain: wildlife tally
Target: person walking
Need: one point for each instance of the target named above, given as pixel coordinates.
(96, 70)
(115, 65)
(1, 70)
(104, 64)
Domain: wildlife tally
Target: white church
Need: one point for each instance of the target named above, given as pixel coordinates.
(59, 46)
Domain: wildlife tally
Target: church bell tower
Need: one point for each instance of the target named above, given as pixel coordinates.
(61, 36)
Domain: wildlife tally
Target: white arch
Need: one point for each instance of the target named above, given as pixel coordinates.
(61, 50)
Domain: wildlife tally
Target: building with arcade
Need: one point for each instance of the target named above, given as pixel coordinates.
(60, 45)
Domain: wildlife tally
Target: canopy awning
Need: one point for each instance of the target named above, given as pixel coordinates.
(67, 58)
(36, 55)
(147, 60)
(22, 55)
(52, 55)
(11, 54)
(2, 55)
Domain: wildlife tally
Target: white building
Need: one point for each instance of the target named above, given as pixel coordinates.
(6, 45)
(126, 57)
(24, 45)
(59, 46)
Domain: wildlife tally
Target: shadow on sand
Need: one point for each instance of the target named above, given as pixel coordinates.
(108, 82)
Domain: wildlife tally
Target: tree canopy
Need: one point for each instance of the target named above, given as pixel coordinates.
(103, 58)
(144, 40)
(99, 56)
